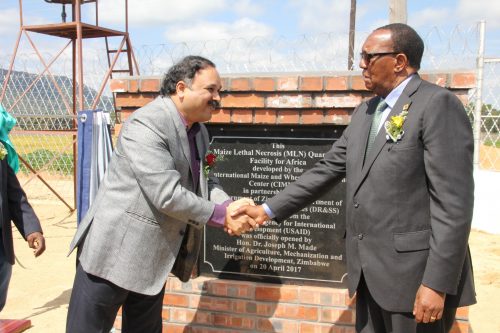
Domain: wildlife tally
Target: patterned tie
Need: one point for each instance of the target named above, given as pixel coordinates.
(375, 123)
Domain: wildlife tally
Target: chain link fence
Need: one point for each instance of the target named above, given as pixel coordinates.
(42, 102)
(489, 149)
(45, 132)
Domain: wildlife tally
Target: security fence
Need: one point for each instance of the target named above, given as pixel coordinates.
(490, 116)
(484, 108)
(45, 132)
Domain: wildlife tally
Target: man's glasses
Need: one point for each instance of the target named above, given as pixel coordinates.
(367, 57)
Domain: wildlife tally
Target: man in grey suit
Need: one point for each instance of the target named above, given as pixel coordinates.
(407, 159)
(149, 213)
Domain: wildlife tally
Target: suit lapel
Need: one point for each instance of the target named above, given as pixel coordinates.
(380, 139)
(365, 132)
(181, 130)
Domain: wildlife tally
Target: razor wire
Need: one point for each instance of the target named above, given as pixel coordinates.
(44, 109)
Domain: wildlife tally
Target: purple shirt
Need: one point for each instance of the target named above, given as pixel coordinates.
(195, 157)
(218, 216)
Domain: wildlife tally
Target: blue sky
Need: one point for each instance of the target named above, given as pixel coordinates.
(171, 21)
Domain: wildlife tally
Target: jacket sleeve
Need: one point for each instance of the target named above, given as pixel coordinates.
(21, 212)
(313, 183)
(448, 153)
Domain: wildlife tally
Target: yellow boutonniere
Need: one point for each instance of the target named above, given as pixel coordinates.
(3, 151)
(398, 120)
(394, 126)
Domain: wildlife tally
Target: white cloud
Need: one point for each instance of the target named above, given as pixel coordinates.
(473, 11)
(234, 47)
(10, 21)
(9, 31)
(242, 28)
(246, 8)
(322, 15)
(465, 12)
(429, 17)
(150, 12)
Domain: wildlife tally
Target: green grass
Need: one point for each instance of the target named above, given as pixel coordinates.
(40, 149)
(490, 143)
(38, 159)
(27, 143)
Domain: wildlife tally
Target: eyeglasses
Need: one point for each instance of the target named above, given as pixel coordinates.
(367, 57)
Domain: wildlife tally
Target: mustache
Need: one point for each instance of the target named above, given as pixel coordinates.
(215, 104)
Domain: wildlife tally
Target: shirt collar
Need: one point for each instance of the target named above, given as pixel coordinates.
(393, 96)
(191, 131)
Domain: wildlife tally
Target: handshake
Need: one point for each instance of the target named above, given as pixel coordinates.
(243, 216)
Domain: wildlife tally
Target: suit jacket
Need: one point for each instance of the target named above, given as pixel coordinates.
(14, 206)
(409, 206)
(146, 204)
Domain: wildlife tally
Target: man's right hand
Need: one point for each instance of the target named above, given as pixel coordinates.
(257, 213)
(237, 225)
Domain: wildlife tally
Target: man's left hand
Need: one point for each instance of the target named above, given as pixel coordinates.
(36, 241)
(429, 305)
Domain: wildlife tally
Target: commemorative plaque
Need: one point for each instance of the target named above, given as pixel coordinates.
(308, 246)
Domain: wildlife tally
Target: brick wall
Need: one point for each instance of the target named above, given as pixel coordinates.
(209, 305)
(275, 100)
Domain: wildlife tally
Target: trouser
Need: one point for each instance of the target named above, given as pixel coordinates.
(5, 274)
(95, 302)
(371, 318)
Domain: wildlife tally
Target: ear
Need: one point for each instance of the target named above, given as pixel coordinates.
(401, 62)
(180, 88)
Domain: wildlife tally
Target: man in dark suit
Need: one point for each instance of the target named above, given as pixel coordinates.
(14, 207)
(148, 216)
(407, 159)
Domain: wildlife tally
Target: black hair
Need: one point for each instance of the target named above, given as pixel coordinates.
(406, 40)
(184, 70)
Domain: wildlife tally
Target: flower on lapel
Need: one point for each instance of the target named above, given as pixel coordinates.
(394, 126)
(209, 163)
(3, 151)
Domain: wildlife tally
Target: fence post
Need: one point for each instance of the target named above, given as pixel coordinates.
(479, 94)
